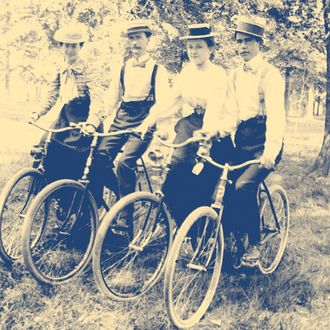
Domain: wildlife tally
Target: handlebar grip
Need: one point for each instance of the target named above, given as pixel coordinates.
(198, 168)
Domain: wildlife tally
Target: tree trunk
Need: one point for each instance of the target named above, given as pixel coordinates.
(322, 162)
(287, 90)
(7, 75)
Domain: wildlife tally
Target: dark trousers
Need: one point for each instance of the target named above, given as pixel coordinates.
(241, 212)
(183, 190)
(103, 172)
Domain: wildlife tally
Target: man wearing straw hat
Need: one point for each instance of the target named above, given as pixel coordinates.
(139, 85)
(76, 87)
(257, 90)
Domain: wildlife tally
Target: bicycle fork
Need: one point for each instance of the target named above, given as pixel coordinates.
(218, 196)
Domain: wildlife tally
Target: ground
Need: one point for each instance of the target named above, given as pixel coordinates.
(297, 296)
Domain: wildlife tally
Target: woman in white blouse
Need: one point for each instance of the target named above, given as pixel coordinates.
(200, 91)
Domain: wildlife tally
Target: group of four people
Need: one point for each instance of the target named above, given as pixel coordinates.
(243, 113)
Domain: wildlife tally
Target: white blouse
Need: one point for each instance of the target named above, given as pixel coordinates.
(196, 87)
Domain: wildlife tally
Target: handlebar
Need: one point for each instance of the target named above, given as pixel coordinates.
(74, 126)
(178, 145)
(230, 167)
(53, 130)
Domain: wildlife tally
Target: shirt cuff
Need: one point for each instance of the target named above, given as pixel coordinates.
(94, 120)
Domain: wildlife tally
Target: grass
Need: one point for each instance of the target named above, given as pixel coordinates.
(296, 296)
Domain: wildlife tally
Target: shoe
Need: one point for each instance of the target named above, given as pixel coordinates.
(252, 254)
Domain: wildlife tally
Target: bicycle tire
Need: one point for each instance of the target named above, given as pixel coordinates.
(36, 182)
(181, 238)
(150, 276)
(50, 231)
(265, 266)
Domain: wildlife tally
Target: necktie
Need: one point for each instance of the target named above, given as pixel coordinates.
(247, 68)
(69, 88)
(139, 65)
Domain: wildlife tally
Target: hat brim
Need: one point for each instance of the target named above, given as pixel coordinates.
(126, 34)
(210, 35)
(249, 33)
(64, 39)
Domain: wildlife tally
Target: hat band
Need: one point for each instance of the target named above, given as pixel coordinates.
(250, 28)
(199, 31)
(138, 29)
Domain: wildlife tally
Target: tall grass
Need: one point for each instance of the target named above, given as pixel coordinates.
(296, 296)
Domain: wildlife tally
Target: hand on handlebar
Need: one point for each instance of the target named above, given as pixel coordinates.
(267, 162)
(34, 117)
(87, 128)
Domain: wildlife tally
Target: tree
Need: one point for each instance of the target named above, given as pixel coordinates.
(322, 162)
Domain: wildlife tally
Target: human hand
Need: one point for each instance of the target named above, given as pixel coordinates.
(267, 162)
(87, 129)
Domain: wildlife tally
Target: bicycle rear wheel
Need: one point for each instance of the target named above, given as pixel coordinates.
(273, 236)
(127, 265)
(15, 199)
(59, 231)
(193, 268)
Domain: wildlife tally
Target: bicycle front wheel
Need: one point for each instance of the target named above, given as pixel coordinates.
(131, 246)
(16, 197)
(194, 266)
(59, 231)
(274, 234)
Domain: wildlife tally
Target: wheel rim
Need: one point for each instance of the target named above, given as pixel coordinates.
(13, 212)
(192, 284)
(273, 240)
(60, 247)
(132, 258)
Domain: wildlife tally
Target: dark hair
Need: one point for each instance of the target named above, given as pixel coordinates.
(257, 39)
(209, 41)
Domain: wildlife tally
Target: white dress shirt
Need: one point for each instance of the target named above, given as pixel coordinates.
(137, 83)
(244, 85)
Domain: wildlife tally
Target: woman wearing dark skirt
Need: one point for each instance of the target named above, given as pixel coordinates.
(200, 91)
(76, 88)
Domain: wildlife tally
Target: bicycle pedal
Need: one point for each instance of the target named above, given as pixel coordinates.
(64, 233)
(249, 264)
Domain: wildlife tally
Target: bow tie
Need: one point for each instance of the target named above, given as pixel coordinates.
(247, 68)
(139, 65)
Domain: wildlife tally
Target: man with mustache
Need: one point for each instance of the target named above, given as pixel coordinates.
(257, 90)
(139, 85)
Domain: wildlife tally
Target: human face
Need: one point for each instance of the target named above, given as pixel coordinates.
(198, 51)
(70, 51)
(138, 43)
(248, 46)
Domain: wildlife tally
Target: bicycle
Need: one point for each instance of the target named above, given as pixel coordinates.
(17, 195)
(59, 228)
(128, 271)
(195, 260)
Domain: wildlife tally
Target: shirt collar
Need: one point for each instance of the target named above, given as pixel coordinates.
(255, 62)
(143, 59)
(77, 66)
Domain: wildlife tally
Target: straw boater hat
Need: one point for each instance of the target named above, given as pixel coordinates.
(199, 31)
(137, 26)
(250, 27)
(72, 34)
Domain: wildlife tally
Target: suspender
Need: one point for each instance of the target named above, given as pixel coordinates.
(263, 75)
(261, 88)
(152, 83)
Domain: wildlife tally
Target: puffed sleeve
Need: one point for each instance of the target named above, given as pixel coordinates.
(275, 111)
(229, 120)
(114, 93)
(52, 96)
(96, 109)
